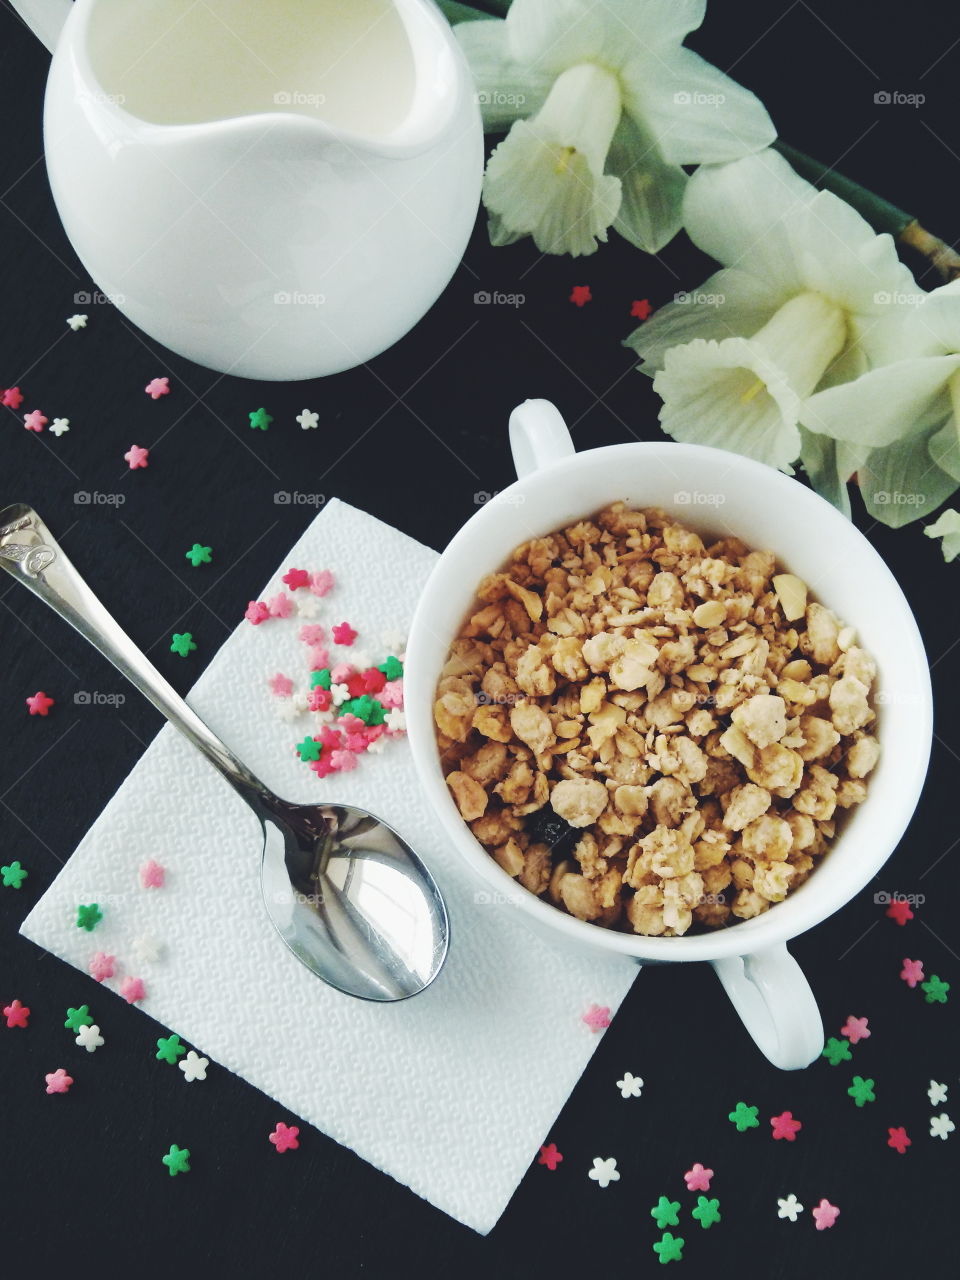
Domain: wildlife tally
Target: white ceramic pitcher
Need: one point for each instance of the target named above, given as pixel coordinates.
(273, 188)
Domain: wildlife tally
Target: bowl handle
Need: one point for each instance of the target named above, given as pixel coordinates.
(774, 1000)
(538, 436)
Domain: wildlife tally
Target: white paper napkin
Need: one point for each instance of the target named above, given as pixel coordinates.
(481, 1062)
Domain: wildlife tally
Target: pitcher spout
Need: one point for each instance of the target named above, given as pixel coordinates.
(378, 76)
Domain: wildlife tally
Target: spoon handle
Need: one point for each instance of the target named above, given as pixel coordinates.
(29, 553)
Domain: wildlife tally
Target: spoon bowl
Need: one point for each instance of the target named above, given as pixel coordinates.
(345, 892)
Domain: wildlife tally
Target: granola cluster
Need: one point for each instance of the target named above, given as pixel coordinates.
(650, 731)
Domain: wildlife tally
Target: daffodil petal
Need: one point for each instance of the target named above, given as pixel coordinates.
(656, 23)
(698, 114)
(554, 34)
(901, 483)
(885, 404)
(551, 35)
(947, 527)
(651, 208)
(710, 396)
(730, 303)
(944, 447)
(841, 255)
(938, 316)
(506, 91)
(736, 212)
(829, 465)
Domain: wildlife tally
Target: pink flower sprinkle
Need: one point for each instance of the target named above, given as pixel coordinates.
(331, 737)
(102, 966)
(391, 695)
(784, 1126)
(137, 457)
(312, 633)
(152, 875)
(132, 990)
(296, 578)
(321, 767)
(343, 633)
(256, 612)
(16, 1014)
(351, 723)
(342, 672)
(357, 742)
(374, 731)
(34, 420)
(597, 1017)
(550, 1156)
(825, 1214)
(319, 699)
(698, 1178)
(343, 761)
(39, 703)
(280, 605)
(281, 686)
(13, 397)
(319, 659)
(321, 583)
(58, 1081)
(285, 1137)
(912, 972)
(157, 387)
(855, 1029)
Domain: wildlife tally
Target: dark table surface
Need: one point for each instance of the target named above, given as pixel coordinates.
(412, 438)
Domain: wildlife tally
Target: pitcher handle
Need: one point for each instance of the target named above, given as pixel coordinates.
(773, 998)
(538, 436)
(45, 18)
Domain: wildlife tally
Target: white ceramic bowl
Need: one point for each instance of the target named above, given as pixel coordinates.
(717, 493)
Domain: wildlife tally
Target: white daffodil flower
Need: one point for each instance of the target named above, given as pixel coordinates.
(947, 528)
(809, 296)
(605, 105)
(904, 418)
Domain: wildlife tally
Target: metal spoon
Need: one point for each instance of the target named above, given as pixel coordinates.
(347, 895)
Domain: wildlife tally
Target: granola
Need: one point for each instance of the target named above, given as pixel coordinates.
(655, 733)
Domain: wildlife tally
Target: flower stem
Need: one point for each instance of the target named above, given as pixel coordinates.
(880, 213)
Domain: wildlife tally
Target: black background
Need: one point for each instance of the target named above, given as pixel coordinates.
(411, 438)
